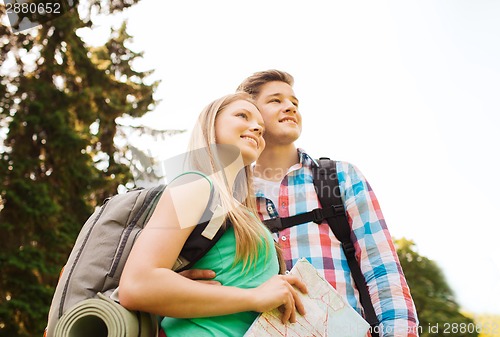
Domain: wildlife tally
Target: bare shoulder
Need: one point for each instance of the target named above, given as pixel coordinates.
(193, 186)
(189, 195)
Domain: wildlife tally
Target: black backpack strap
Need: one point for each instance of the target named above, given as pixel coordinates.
(317, 215)
(198, 244)
(327, 188)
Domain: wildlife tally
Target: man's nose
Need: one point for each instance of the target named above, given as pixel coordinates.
(289, 106)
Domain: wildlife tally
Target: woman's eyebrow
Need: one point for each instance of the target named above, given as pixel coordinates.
(243, 110)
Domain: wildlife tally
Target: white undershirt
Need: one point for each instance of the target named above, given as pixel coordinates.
(271, 189)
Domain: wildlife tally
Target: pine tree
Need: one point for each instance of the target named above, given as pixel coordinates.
(59, 159)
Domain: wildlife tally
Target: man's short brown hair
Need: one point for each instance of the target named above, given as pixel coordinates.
(254, 83)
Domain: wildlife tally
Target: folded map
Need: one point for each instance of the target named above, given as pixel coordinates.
(327, 313)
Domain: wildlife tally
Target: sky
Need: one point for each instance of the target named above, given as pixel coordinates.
(408, 91)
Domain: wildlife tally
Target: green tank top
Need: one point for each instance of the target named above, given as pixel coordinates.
(220, 259)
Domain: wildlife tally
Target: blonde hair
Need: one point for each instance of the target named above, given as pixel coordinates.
(249, 230)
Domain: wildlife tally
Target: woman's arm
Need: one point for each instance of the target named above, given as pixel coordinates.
(149, 284)
(147, 278)
(184, 298)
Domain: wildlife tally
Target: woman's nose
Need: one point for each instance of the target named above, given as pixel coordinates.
(257, 128)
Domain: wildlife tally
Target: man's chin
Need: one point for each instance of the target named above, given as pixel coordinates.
(291, 134)
(291, 128)
(283, 138)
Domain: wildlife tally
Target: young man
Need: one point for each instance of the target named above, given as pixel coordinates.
(284, 187)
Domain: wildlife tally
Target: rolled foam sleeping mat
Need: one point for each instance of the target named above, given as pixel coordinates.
(103, 317)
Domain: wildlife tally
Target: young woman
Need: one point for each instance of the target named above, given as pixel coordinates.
(244, 259)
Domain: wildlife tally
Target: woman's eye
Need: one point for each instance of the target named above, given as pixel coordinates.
(242, 115)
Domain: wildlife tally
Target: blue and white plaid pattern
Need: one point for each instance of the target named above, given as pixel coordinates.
(372, 241)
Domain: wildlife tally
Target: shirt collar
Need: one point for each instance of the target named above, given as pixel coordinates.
(305, 159)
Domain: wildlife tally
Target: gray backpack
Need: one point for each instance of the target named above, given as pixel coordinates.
(96, 262)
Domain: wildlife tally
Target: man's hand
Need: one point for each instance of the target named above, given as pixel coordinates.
(200, 275)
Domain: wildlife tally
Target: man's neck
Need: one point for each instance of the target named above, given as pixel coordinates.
(274, 162)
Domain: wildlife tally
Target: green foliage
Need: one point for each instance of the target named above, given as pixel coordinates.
(438, 312)
(59, 158)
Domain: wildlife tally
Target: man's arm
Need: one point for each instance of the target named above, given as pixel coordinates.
(375, 250)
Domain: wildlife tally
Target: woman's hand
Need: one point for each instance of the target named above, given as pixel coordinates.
(278, 292)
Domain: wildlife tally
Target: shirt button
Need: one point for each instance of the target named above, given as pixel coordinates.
(270, 209)
(283, 238)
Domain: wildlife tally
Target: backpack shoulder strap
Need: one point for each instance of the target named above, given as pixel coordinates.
(204, 235)
(327, 188)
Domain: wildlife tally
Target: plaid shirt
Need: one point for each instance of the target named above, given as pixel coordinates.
(372, 241)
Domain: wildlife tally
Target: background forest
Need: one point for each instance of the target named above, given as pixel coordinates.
(59, 159)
